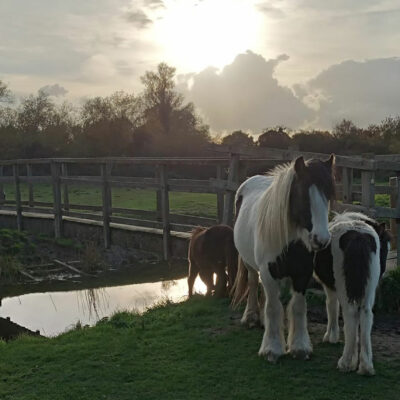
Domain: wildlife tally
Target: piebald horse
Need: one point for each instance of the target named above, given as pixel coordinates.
(287, 207)
(349, 270)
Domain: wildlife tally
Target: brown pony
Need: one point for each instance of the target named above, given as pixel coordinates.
(211, 250)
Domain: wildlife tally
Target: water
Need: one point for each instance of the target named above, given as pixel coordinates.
(54, 312)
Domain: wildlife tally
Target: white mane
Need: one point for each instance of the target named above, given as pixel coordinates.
(274, 224)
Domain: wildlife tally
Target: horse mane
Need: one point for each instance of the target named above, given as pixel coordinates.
(274, 223)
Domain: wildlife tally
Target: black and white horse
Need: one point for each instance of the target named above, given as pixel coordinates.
(349, 270)
(289, 205)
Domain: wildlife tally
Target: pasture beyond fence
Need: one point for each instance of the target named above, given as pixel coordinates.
(226, 170)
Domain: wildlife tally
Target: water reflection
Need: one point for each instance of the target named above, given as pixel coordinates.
(55, 312)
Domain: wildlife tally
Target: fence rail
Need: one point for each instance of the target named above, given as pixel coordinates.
(231, 166)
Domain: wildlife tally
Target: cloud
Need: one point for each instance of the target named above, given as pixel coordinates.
(54, 90)
(153, 4)
(245, 95)
(138, 18)
(364, 91)
(270, 11)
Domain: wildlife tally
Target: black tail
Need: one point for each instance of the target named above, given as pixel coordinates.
(357, 248)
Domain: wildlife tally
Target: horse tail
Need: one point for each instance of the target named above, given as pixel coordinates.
(357, 248)
(231, 258)
(240, 288)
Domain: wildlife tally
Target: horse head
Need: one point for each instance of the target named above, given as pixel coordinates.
(312, 189)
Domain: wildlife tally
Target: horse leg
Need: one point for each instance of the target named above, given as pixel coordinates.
(251, 315)
(273, 343)
(332, 310)
(299, 343)
(193, 272)
(220, 284)
(206, 276)
(351, 317)
(366, 366)
(232, 265)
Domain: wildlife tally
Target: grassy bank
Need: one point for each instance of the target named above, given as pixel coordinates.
(192, 350)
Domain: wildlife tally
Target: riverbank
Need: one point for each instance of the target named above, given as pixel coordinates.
(191, 350)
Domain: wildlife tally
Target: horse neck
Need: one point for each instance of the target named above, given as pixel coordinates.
(276, 228)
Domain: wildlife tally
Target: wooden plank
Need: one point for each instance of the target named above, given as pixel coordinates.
(29, 174)
(220, 195)
(2, 193)
(368, 188)
(107, 206)
(341, 161)
(165, 210)
(227, 185)
(18, 205)
(347, 185)
(230, 196)
(398, 216)
(64, 174)
(28, 275)
(57, 206)
(393, 204)
(70, 267)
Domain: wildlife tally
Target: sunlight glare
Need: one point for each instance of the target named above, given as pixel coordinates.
(196, 34)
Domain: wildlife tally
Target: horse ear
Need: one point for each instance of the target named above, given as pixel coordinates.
(299, 165)
(330, 161)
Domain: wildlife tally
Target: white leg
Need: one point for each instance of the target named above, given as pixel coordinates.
(332, 311)
(349, 359)
(299, 343)
(273, 343)
(366, 366)
(251, 315)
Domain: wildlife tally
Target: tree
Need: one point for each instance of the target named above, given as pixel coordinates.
(275, 138)
(238, 138)
(315, 141)
(160, 99)
(169, 126)
(5, 94)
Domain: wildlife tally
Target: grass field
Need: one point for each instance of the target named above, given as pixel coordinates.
(191, 350)
(199, 204)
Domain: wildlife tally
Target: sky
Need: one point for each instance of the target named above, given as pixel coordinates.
(245, 64)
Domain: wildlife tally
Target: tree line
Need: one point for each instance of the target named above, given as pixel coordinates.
(156, 122)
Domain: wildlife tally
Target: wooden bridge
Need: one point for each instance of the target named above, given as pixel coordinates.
(224, 172)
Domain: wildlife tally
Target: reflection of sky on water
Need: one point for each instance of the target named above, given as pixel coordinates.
(54, 312)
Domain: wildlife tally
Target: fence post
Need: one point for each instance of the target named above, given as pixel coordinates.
(230, 196)
(398, 217)
(57, 207)
(2, 194)
(220, 196)
(29, 175)
(347, 184)
(106, 197)
(393, 204)
(165, 210)
(18, 204)
(64, 173)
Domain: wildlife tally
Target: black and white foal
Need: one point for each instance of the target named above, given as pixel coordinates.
(349, 270)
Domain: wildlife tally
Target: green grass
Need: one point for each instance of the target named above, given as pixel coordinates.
(198, 204)
(192, 350)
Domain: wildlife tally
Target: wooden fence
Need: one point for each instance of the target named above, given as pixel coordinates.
(230, 166)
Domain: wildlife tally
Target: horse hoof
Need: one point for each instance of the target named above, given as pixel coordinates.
(300, 354)
(270, 356)
(330, 338)
(366, 370)
(343, 366)
(251, 321)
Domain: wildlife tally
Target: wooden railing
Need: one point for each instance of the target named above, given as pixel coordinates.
(231, 166)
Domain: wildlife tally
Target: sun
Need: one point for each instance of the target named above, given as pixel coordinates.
(197, 34)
